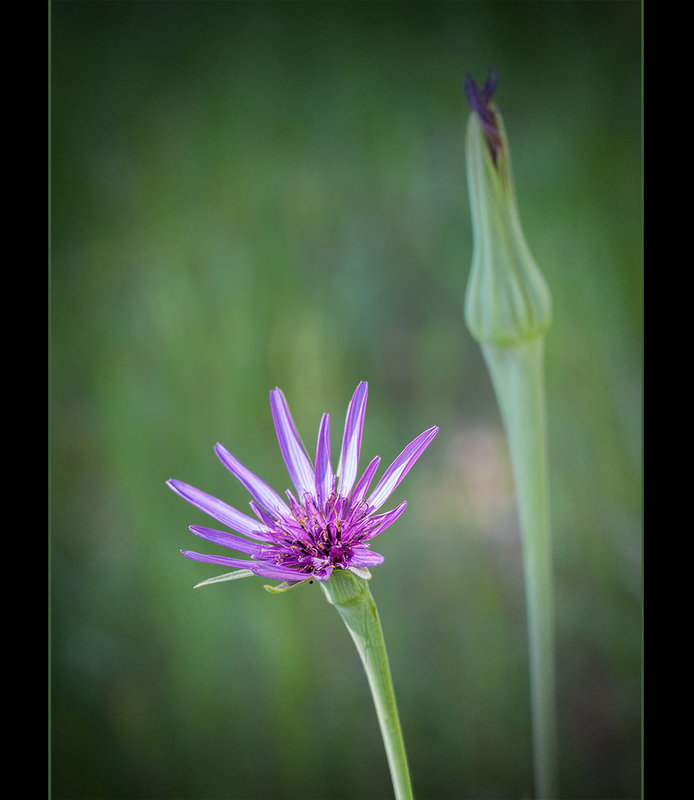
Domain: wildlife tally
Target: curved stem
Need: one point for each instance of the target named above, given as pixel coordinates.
(353, 601)
(517, 374)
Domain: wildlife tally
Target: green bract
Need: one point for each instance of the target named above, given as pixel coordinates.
(507, 299)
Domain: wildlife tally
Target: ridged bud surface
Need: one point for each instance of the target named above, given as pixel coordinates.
(507, 299)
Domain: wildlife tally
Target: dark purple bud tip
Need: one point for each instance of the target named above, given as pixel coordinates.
(479, 100)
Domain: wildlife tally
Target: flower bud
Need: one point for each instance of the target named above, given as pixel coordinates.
(507, 300)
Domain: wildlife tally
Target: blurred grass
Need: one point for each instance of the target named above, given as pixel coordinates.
(247, 195)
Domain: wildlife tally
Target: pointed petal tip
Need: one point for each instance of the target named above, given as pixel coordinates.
(299, 466)
(276, 395)
(387, 519)
(352, 437)
(392, 477)
(179, 487)
(427, 437)
(265, 495)
(220, 451)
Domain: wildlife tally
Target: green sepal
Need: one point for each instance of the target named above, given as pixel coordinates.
(285, 586)
(343, 589)
(361, 572)
(228, 576)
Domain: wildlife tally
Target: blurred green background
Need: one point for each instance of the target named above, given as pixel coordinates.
(247, 195)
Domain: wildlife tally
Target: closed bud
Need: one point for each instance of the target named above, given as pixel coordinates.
(507, 299)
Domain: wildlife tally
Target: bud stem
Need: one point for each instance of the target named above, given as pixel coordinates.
(518, 378)
(353, 601)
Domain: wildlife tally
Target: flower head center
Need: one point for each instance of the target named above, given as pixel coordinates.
(319, 536)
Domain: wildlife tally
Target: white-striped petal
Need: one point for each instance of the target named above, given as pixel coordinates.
(351, 440)
(266, 496)
(220, 511)
(400, 467)
(324, 471)
(293, 452)
(225, 561)
(363, 557)
(386, 520)
(229, 540)
(364, 482)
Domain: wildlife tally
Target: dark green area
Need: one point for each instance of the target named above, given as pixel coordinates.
(247, 195)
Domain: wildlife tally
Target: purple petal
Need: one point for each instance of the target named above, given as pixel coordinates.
(278, 573)
(293, 452)
(257, 567)
(364, 482)
(227, 540)
(351, 440)
(400, 467)
(322, 573)
(385, 520)
(242, 563)
(324, 470)
(220, 511)
(363, 557)
(263, 515)
(264, 494)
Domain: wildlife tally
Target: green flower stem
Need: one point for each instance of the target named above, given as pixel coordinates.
(518, 378)
(352, 598)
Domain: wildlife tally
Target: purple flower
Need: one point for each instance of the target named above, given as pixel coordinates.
(330, 521)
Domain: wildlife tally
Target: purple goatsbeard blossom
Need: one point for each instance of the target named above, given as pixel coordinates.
(330, 521)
